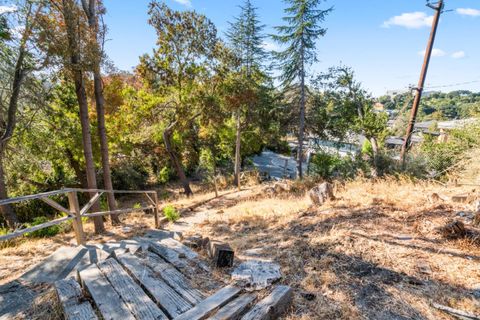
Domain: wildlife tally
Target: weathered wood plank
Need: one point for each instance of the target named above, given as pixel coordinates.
(141, 306)
(174, 278)
(57, 266)
(212, 303)
(272, 306)
(168, 299)
(71, 298)
(14, 299)
(234, 309)
(107, 300)
(169, 255)
(18, 233)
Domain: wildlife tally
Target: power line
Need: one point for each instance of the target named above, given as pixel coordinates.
(452, 84)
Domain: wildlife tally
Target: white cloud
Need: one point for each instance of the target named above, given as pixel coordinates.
(468, 12)
(411, 20)
(187, 3)
(7, 9)
(459, 55)
(270, 46)
(435, 53)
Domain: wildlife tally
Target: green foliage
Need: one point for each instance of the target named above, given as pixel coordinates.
(129, 176)
(43, 233)
(137, 205)
(439, 157)
(164, 175)
(327, 166)
(171, 213)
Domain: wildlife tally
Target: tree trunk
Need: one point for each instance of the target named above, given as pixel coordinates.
(178, 167)
(301, 130)
(79, 172)
(102, 133)
(87, 146)
(70, 17)
(90, 12)
(7, 211)
(238, 156)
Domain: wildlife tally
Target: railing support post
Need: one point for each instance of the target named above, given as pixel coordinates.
(77, 221)
(155, 211)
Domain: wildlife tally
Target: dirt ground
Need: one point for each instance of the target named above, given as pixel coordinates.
(373, 253)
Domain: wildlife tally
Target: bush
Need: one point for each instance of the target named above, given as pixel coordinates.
(171, 213)
(129, 176)
(164, 175)
(327, 166)
(43, 233)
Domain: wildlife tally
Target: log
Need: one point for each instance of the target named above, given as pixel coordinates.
(74, 307)
(456, 313)
(212, 303)
(273, 306)
(221, 253)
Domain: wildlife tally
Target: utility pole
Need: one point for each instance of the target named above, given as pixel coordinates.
(418, 97)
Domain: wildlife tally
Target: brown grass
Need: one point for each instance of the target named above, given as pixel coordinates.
(371, 254)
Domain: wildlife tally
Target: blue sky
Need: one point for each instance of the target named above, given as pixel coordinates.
(382, 40)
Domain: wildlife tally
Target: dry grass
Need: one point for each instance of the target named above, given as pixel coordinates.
(371, 254)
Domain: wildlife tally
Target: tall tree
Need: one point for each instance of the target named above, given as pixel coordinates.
(299, 35)
(185, 47)
(246, 38)
(64, 31)
(90, 9)
(22, 64)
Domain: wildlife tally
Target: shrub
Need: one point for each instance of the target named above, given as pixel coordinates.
(129, 176)
(326, 166)
(164, 175)
(171, 213)
(43, 233)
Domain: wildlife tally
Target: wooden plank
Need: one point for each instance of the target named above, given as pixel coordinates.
(460, 314)
(57, 206)
(57, 266)
(137, 301)
(174, 278)
(131, 245)
(90, 203)
(71, 298)
(168, 299)
(273, 306)
(169, 255)
(19, 233)
(221, 253)
(183, 251)
(107, 300)
(15, 298)
(116, 212)
(211, 304)
(234, 309)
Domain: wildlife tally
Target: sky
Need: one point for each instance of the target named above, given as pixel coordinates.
(382, 40)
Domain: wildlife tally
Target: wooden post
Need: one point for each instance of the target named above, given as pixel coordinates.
(77, 221)
(155, 211)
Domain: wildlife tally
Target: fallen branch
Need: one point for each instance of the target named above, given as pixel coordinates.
(455, 312)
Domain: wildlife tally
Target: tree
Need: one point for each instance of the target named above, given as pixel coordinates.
(64, 33)
(23, 65)
(90, 10)
(246, 38)
(299, 35)
(185, 47)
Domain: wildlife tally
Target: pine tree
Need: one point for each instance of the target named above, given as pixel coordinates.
(299, 35)
(246, 39)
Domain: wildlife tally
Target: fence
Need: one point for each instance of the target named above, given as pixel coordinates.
(75, 213)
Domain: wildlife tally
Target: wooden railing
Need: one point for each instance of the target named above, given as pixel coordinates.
(75, 213)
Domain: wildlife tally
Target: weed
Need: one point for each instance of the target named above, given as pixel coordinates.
(171, 213)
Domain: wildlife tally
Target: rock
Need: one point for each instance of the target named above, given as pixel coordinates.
(321, 193)
(455, 229)
(256, 274)
(308, 296)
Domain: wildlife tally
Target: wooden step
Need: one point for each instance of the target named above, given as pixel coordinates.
(141, 306)
(273, 306)
(131, 245)
(15, 298)
(234, 309)
(107, 300)
(73, 303)
(211, 304)
(168, 299)
(173, 278)
(184, 251)
(57, 266)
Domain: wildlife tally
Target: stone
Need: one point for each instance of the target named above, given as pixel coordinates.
(321, 193)
(256, 274)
